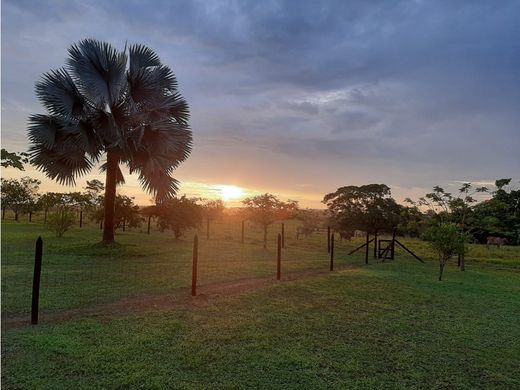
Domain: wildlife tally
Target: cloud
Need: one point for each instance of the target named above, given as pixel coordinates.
(408, 92)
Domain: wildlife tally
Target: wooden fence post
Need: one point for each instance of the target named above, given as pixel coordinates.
(283, 235)
(375, 244)
(392, 253)
(149, 219)
(194, 266)
(366, 248)
(81, 218)
(36, 280)
(242, 232)
(332, 252)
(30, 216)
(328, 239)
(124, 224)
(279, 258)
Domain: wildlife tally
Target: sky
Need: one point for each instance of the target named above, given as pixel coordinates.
(298, 98)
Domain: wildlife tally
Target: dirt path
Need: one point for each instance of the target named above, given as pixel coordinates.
(206, 295)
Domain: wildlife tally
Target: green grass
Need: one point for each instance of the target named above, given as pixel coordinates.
(389, 325)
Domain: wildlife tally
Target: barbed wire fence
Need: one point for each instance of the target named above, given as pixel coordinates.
(226, 257)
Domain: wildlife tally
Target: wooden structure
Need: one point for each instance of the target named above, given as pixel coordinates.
(383, 249)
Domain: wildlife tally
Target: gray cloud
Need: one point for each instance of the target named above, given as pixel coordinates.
(407, 92)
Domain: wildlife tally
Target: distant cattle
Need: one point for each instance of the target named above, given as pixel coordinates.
(498, 241)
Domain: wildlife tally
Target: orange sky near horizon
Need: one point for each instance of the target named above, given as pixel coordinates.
(232, 193)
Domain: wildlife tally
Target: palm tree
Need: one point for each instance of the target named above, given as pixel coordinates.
(120, 104)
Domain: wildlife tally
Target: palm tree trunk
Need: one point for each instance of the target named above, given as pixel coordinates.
(110, 197)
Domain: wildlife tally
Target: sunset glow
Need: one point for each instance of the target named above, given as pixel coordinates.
(230, 192)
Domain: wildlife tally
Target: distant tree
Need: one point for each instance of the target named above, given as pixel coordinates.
(95, 187)
(446, 240)
(48, 201)
(447, 208)
(14, 160)
(211, 210)
(266, 209)
(19, 195)
(126, 212)
(122, 104)
(367, 207)
(178, 215)
(311, 219)
(498, 216)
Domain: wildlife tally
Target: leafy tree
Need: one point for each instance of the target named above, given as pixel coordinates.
(19, 195)
(178, 215)
(266, 209)
(367, 207)
(95, 187)
(62, 220)
(311, 219)
(446, 240)
(48, 201)
(444, 207)
(498, 216)
(211, 210)
(126, 212)
(13, 159)
(121, 104)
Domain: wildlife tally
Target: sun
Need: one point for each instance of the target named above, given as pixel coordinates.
(230, 192)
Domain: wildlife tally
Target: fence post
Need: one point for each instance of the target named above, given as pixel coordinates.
(366, 248)
(283, 235)
(279, 258)
(194, 266)
(392, 253)
(375, 244)
(30, 216)
(149, 219)
(328, 239)
(124, 224)
(332, 252)
(36, 280)
(81, 218)
(242, 232)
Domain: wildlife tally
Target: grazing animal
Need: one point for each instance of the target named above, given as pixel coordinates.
(498, 241)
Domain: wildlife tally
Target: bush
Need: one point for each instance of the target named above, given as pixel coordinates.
(447, 240)
(61, 221)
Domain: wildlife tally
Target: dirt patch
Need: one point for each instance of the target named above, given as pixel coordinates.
(206, 295)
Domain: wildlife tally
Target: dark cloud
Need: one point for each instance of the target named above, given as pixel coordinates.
(424, 91)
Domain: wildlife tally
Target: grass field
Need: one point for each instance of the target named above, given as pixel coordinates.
(388, 325)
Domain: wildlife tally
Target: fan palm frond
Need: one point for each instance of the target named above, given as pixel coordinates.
(59, 95)
(141, 56)
(99, 69)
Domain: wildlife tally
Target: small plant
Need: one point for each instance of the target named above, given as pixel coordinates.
(447, 240)
(61, 221)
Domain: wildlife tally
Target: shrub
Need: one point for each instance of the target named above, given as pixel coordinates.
(61, 221)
